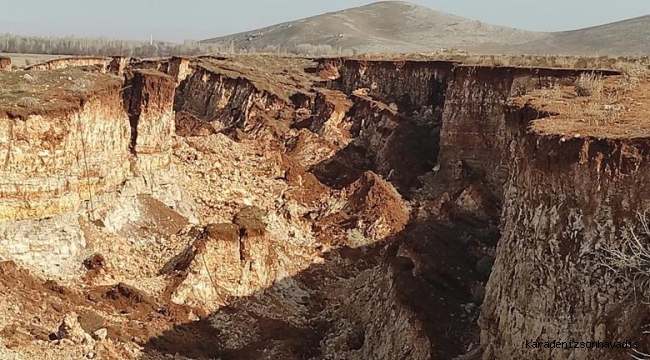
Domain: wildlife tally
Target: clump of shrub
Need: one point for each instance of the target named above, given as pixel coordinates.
(553, 93)
(27, 102)
(589, 84)
(630, 261)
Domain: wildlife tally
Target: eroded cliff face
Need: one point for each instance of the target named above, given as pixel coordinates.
(567, 201)
(395, 119)
(53, 161)
(474, 138)
(443, 115)
(64, 63)
(151, 112)
(405, 83)
(263, 207)
(61, 163)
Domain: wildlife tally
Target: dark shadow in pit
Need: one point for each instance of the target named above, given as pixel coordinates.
(344, 168)
(434, 271)
(409, 152)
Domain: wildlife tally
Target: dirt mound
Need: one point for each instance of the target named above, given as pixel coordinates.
(372, 210)
(154, 219)
(376, 201)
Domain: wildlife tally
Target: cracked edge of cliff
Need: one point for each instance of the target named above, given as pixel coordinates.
(578, 165)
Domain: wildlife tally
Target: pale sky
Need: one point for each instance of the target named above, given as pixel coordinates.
(178, 20)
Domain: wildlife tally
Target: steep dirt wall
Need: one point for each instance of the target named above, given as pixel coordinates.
(102, 62)
(396, 117)
(117, 65)
(453, 113)
(230, 102)
(473, 136)
(409, 84)
(402, 146)
(52, 162)
(566, 201)
(553, 227)
(179, 68)
(328, 117)
(472, 123)
(83, 161)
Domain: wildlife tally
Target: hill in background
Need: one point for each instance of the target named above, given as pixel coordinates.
(396, 26)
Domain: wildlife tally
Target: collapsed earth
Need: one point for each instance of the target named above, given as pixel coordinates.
(268, 207)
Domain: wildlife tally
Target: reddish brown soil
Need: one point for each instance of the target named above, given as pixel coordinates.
(190, 125)
(372, 197)
(305, 187)
(49, 302)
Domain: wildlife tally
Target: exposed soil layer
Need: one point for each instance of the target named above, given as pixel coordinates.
(285, 208)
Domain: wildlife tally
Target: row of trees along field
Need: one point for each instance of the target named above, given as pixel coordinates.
(10, 43)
